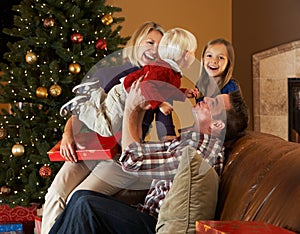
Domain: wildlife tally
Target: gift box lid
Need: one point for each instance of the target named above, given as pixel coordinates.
(238, 227)
(94, 147)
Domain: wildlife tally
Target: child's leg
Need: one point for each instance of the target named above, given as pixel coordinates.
(106, 118)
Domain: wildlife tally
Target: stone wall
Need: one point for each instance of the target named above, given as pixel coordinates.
(271, 70)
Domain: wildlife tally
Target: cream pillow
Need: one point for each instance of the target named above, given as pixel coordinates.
(193, 195)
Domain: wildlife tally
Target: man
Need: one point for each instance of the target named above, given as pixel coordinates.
(91, 212)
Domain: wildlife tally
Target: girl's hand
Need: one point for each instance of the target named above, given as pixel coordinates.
(192, 93)
(166, 108)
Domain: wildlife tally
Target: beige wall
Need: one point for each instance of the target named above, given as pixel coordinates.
(259, 25)
(207, 19)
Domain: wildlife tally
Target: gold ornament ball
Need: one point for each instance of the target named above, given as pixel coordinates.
(3, 133)
(107, 19)
(41, 92)
(18, 150)
(55, 90)
(30, 58)
(74, 68)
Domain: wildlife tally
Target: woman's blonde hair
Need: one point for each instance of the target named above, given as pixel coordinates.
(131, 49)
(175, 42)
(204, 78)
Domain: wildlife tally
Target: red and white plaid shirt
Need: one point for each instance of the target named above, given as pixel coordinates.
(159, 160)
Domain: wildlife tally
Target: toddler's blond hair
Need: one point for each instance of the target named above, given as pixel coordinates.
(175, 42)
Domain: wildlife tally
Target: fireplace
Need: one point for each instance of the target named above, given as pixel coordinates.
(294, 109)
(272, 68)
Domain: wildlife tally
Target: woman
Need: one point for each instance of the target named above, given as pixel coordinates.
(105, 176)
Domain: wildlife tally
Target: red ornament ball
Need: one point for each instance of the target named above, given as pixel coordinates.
(45, 171)
(76, 38)
(100, 44)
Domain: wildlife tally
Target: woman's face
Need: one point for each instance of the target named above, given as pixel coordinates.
(147, 51)
(215, 60)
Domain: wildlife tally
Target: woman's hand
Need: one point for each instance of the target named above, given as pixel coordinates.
(68, 148)
(68, 143)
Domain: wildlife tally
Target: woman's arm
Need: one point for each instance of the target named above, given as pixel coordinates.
(68, 144)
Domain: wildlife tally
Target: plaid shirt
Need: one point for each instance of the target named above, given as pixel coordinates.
(159, 160)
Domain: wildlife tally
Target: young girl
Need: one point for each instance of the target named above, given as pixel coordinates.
(160, 85)
(217, 63)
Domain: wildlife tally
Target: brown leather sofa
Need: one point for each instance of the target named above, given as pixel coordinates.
(260, 182)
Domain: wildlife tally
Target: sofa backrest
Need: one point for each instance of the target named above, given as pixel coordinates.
(261, 181)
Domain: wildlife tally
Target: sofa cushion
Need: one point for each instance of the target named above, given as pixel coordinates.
(193, 195)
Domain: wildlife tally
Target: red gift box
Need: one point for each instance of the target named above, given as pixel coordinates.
(96, 147)
(17, 213)
(238, 227)
(37, 225)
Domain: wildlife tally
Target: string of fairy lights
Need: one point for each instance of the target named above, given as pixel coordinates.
(50, 76)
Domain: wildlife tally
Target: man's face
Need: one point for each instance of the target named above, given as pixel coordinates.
(210, 109)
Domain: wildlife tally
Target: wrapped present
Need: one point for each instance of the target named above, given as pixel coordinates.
(37, 224)
(11, 228)
(95, 147)
(237, 227)
(17, 213)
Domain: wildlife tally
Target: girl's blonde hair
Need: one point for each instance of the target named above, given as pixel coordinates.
(131, 49)
(227, 75)
(175, 43)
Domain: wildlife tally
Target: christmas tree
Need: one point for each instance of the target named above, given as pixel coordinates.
(57, 42)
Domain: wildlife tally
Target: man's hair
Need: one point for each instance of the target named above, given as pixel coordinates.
(237, 116)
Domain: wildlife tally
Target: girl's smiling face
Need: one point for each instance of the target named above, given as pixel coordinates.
(215, 60)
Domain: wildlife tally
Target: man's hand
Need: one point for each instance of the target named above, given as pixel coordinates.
(135, 100)
(134, 110)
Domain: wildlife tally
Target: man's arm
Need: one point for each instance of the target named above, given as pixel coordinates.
(134, 110)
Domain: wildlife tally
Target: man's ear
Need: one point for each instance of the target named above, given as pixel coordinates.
(217, 126)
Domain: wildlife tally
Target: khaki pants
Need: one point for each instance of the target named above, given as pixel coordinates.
(103, 113)
(106, 177)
